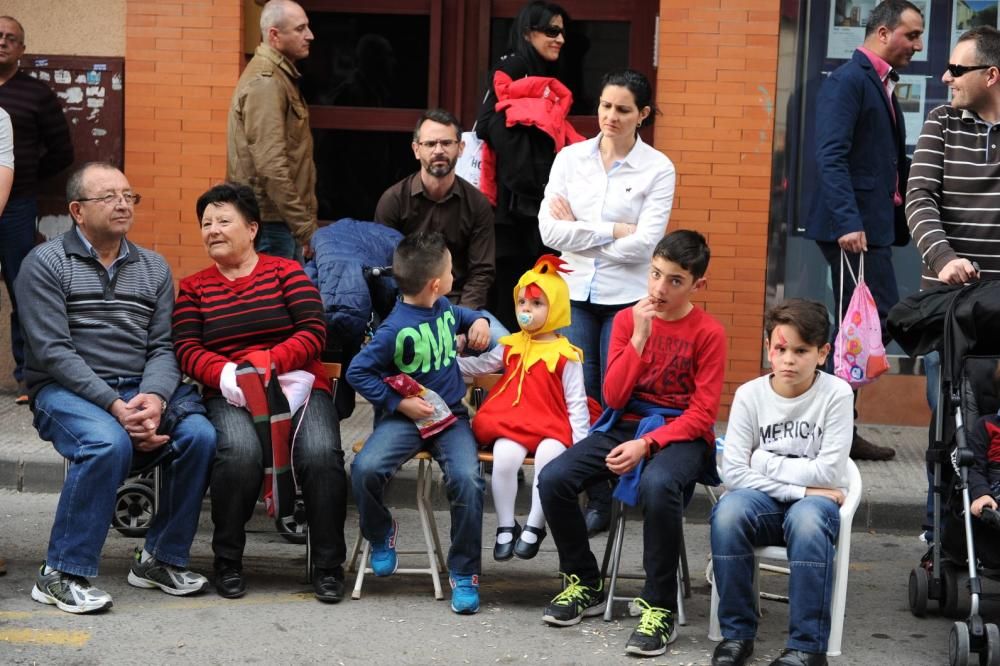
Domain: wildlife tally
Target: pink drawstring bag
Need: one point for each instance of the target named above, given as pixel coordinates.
(858, 354)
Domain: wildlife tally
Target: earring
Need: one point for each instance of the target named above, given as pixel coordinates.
(638, 124)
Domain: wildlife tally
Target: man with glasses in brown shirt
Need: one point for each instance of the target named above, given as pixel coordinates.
(436, 199)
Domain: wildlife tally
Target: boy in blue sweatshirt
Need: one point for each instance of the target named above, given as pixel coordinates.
(419, 338)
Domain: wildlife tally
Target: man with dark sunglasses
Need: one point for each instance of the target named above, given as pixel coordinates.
(952, 198)
(862, 166)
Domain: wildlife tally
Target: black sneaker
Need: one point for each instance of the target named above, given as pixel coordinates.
(654, 632)
(574, 603)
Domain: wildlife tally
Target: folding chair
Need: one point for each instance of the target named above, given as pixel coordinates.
(841, 565)
(432, 544)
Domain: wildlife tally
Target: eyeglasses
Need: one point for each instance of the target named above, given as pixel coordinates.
(550, 31)
(10, 38)
(444, 143)
(961, 70)
(131, 198)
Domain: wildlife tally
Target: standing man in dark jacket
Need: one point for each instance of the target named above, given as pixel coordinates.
(862, 164)
(42, 148)
(270, 145)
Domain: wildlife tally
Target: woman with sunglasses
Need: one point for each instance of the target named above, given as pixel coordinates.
(517, 158)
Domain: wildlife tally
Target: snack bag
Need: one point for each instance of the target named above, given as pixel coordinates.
(442, 417)
(858, 355)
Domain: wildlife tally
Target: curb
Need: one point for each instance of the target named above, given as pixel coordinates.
(892, 514)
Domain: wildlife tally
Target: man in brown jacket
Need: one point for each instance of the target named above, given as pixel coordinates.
(270, 145)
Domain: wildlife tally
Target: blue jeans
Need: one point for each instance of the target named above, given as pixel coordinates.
(276, 239)
(394, 441)
(17, 237)
(100, 453)
(746, 518)
(590, 330)
(661, 494)
(318, 464)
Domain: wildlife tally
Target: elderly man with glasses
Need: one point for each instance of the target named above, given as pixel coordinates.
(105, 390)
(42, 148)
(435, 198)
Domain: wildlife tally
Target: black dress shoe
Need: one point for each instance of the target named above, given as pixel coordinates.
(525, 550)
(597, 521)
(732, 652)
(789, 657)
(862, 449)
(505, 551)
(329, 585)
(229, 581)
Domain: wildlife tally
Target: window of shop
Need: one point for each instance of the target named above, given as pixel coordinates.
(816, 38)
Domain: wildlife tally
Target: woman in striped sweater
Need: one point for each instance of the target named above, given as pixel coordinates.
(263, 309)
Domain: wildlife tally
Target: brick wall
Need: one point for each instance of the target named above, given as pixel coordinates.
(716, 87)
(182, 60)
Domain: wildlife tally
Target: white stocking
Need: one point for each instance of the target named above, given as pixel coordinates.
(507, 458)
(548, 449)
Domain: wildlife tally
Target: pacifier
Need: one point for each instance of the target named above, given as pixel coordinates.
(525, 318)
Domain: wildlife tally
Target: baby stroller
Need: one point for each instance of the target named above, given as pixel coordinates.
(964, 323)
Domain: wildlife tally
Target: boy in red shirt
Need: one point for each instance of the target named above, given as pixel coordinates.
(665, 354)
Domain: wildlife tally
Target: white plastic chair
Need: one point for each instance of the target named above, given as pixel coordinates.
(841, 564)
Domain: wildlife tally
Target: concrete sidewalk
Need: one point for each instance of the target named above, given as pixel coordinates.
(894, 491)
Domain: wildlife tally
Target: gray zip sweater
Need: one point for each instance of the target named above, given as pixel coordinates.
(83, 330)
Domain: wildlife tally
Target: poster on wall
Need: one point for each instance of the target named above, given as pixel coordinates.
(967, 14)
(911, 95)
(849, 18)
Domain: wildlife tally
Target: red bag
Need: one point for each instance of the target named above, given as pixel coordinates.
(408, 387)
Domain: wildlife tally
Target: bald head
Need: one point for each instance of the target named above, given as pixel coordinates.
(276, 15)
(284, 27)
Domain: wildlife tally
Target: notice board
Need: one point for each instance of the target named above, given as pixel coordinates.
(91, 91)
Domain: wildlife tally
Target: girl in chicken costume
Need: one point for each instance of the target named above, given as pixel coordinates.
(539, 405)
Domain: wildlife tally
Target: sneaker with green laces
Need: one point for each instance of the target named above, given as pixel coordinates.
(575, 602)
(654, 632)
(70, 593)
(150, 573)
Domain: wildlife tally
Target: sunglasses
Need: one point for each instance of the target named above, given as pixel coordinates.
(961, 70)
(550, 31)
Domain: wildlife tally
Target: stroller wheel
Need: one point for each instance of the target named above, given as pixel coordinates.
(918, 590)
(134, 508)
(957, 601)
(294, 530)
(958, 645)
(990, 656)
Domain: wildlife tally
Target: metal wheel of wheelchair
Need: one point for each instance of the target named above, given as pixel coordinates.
(294, 530)
(134, 508)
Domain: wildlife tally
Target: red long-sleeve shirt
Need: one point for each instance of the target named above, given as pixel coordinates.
(682, 366)
(275, 307)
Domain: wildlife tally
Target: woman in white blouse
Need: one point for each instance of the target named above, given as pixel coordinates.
(606, 205)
